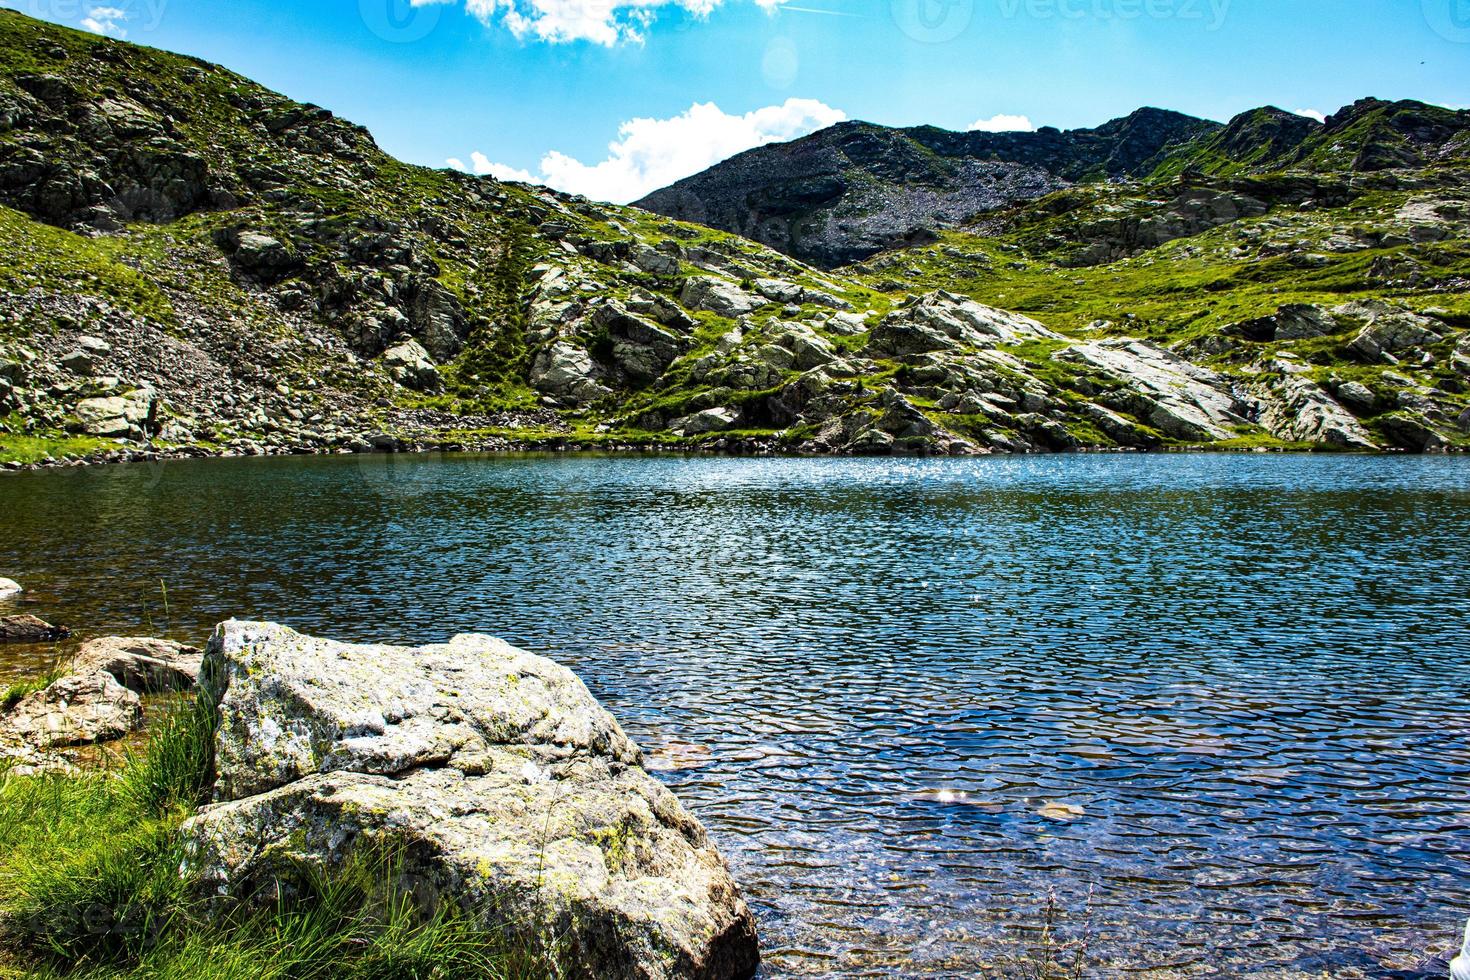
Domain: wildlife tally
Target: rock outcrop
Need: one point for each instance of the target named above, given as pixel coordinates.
(1178, 398)
(941, 320)
(409, 365)
(1297, 410)
(506, 786)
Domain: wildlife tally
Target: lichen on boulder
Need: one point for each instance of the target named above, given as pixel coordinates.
(508, 789)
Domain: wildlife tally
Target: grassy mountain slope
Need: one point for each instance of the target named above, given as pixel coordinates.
(194, 265)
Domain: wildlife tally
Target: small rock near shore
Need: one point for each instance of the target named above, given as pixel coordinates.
(29, 629)
(81, 709)
(139, 664)
(9, 588)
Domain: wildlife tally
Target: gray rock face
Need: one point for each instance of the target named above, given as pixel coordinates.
(1295, 321)
(510, 790)
(944, 321)
(640, 349)
(1357, 396)
(80, 709)
(655, 262)
(781, 291)
(263, 255)
(1391, 332)
(127, 416)
(409, 365)
(146, 666)
(1296, 410)
(78, 362)
(718, 296)
(1180, 399)
(709, 420)
(567, 371)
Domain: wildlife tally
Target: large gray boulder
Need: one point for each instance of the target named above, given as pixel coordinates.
(408, 364)
(718, 296)
(503, 783)
(128, 416)
(709, 420)
(568, 372)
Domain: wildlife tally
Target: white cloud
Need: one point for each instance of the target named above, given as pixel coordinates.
(1003, 123)
(605, 22)
(653, 153)
(106, 20)
(1316, 114)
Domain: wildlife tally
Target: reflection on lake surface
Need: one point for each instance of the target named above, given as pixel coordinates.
(1214, 705)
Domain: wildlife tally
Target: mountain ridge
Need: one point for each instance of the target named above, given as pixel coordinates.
(842, 194)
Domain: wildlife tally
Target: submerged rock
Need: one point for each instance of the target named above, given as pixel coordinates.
(146, 666)
(81, 709)
(29, 629)
(507, 787)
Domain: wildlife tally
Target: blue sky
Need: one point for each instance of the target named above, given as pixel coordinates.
(540, 88)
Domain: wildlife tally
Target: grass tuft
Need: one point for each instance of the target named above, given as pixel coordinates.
(91, 888)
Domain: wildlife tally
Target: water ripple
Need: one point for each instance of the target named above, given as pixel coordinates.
(1209, 710)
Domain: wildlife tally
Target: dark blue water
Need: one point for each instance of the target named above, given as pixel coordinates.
(1246, 676)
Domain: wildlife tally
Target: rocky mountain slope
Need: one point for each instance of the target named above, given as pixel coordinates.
(190, 264)
(855, 189)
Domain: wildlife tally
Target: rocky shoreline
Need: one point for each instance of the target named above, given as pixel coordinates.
(383, 445)
(502, 787)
